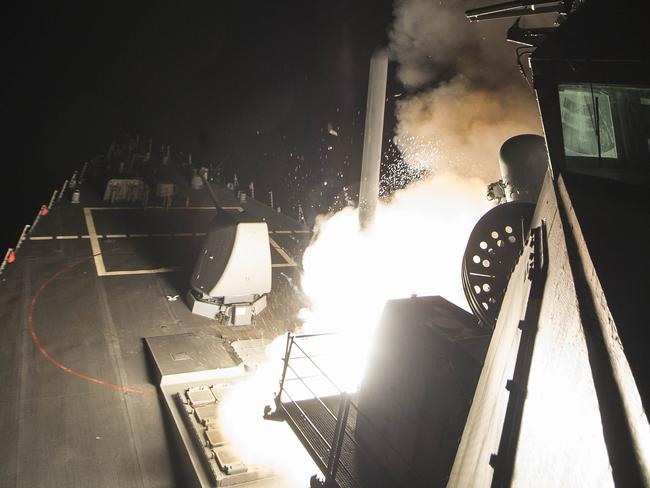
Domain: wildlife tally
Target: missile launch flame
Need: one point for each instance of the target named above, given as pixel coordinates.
(414, 247)
(464, 102)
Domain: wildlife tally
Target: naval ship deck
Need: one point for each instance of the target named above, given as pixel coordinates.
(79, 405)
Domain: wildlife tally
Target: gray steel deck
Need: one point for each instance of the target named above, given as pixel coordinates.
(78, 403)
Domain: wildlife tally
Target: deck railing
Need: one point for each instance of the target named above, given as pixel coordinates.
(324, 417)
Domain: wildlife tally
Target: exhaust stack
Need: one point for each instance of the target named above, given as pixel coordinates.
(372, 138)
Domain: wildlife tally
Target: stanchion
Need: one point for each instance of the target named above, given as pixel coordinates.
(22, 237)
(42, 212)
(54, 194)
(63, 188)
(9, 253)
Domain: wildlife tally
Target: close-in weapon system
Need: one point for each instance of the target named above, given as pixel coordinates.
(232, 274)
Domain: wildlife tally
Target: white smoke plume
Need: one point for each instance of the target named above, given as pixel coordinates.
(467, 96)
(465, 101)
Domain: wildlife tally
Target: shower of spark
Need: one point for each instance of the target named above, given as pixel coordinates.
(397, 173)
(463, 103)
(419, 151)
(414, 248)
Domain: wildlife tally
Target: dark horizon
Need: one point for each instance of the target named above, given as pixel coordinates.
(254, 87)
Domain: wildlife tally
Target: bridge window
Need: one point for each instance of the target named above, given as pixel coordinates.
(606, 130)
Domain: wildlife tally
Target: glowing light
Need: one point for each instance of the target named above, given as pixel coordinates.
(414, 247)
(260, 441)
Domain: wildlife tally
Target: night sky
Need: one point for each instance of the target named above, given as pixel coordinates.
(252, 85)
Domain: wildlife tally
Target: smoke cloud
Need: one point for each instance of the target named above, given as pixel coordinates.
(465, 99)
(466, 95)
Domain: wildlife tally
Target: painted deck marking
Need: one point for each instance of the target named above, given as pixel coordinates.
(41, 347)
(170, 269)
(282, 252)
(239, 209)
(128, 236)
(94, 242)
(99, 261)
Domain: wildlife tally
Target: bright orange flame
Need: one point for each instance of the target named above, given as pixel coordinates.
(414, 247)
(260, 441)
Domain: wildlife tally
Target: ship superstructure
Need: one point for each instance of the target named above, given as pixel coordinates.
(561, 399)
(109, 379)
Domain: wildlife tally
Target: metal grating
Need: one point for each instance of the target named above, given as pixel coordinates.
(326, 427)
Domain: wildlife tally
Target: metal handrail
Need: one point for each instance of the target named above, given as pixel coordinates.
(287, 353)
(310, 422)
(315, 396)
(294, 378)
(318, 368)
(302, 336)
(342, 428)
(305, 438)
(312, 356)
(291, 340)
(339, 432)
